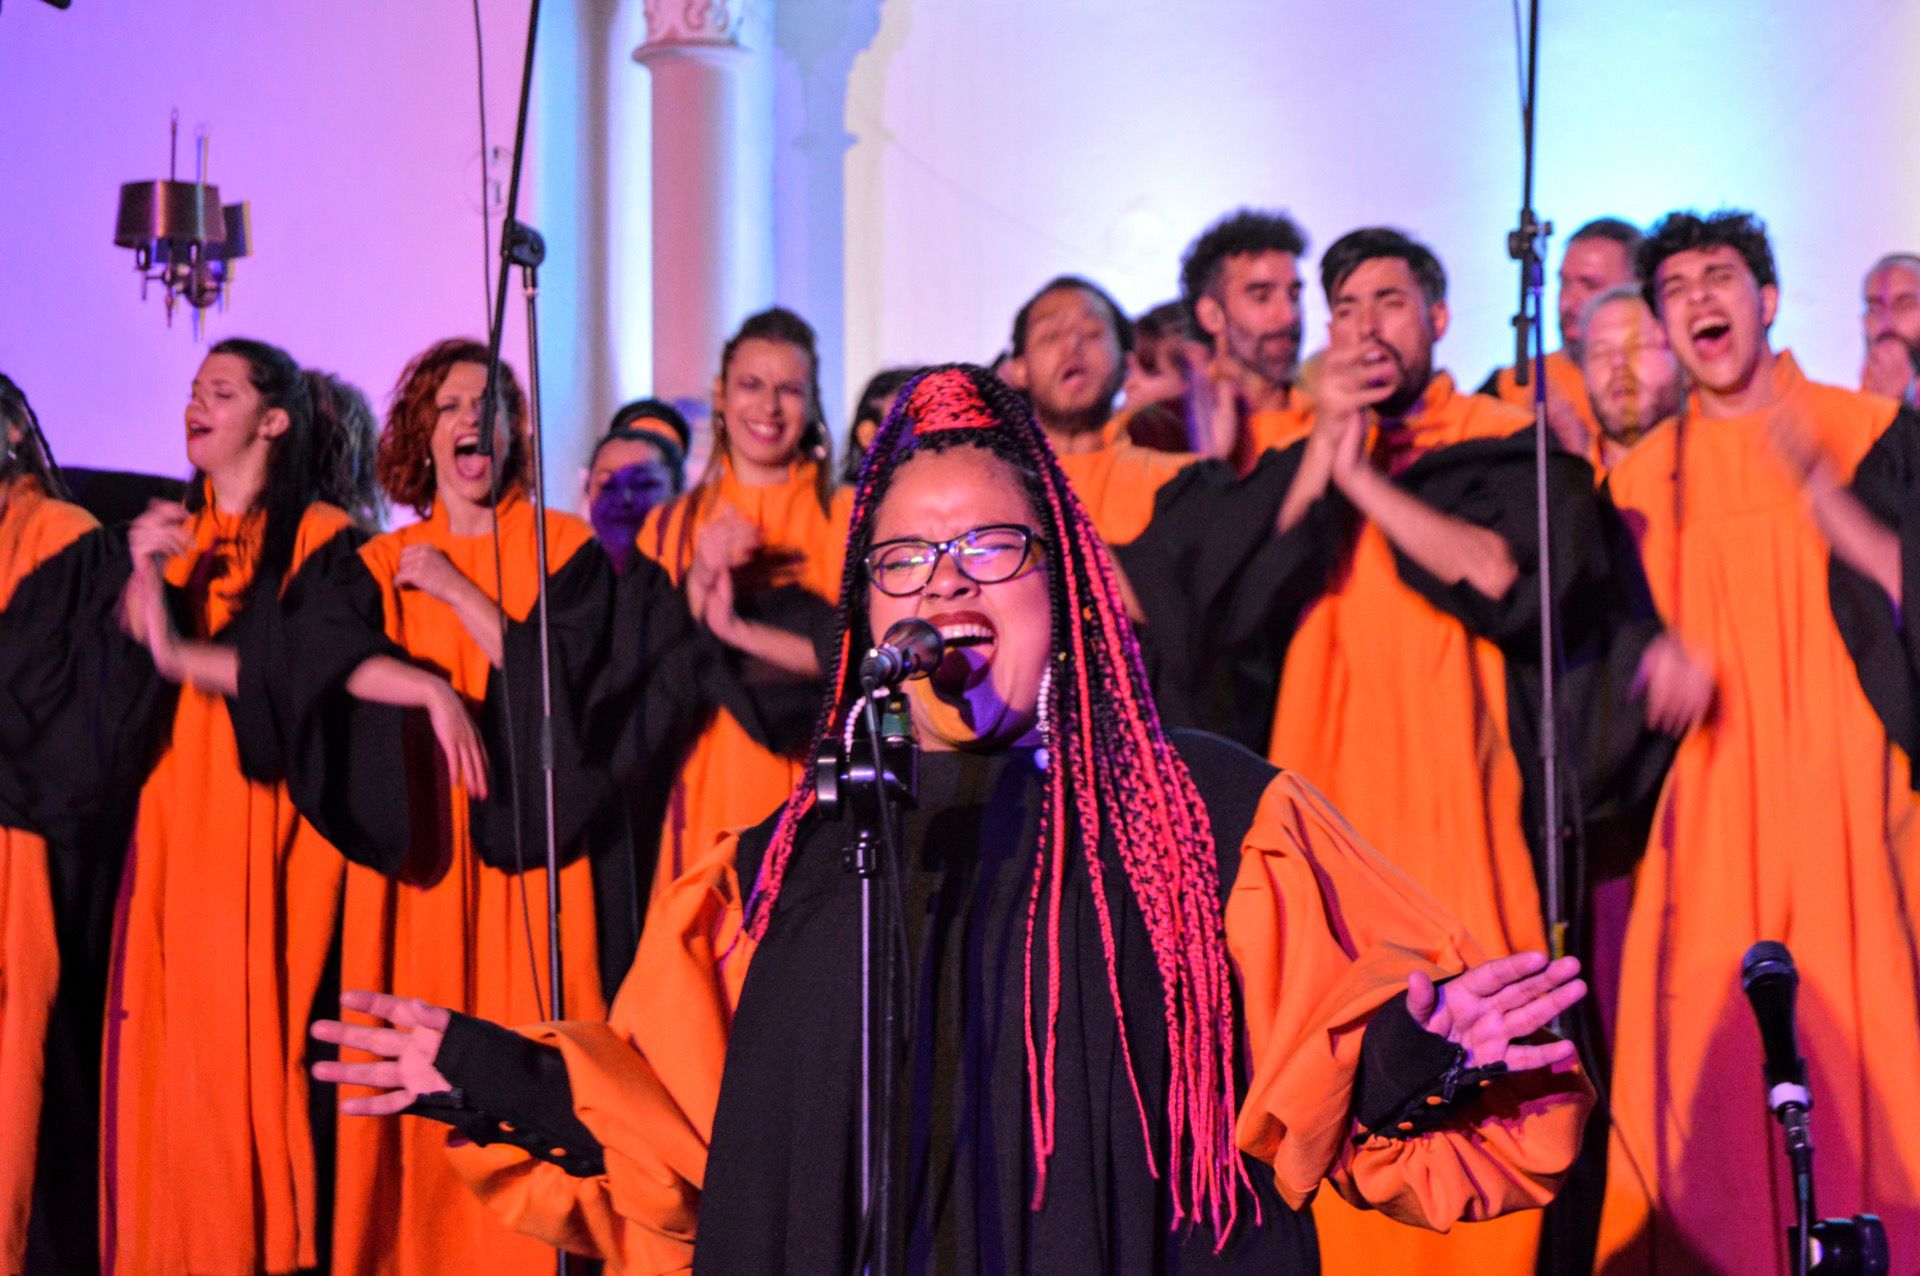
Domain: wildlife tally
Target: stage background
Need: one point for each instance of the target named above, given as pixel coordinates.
(931, 161)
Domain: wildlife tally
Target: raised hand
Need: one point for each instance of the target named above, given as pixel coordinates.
(1888, 368)
(160, 532)
(726, 542)
(1798, 449)
(403, 1070)
(427, 569)
(1488, 1009)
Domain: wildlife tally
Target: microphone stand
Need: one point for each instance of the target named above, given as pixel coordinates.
(1527, 245)
(872, 792)
(522, 246)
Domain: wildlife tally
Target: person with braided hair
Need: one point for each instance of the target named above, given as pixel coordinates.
(1160, 992)
(51, 998)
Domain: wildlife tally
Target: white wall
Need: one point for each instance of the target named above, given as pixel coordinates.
(995, 143)
(351, 126)
(1003, 141)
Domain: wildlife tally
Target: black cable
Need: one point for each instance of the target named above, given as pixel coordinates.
(486, 228)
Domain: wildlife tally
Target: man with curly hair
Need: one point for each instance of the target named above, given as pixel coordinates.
(1241, 283)
(1777, 520)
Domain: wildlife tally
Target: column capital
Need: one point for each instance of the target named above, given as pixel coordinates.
(691, 27)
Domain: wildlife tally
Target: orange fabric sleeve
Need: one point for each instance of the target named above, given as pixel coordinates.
(1324, 931)
(646, 1083)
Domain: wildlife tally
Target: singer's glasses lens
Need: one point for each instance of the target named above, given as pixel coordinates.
(985, 555)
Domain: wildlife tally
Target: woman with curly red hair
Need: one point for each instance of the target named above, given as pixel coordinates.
(1157, 992)
(449, 859)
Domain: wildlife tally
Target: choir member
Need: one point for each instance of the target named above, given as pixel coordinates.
(1070, 346)
(228, 900)
(1162, 378)
(756, 545)
(876, 400)
(1161, 993)
(1402, 597)
(1632, 381)
(1891, 320)
(423, 630)
(1599, 256)
(639, 463)
(53, 910)
(1241, 282)
(1775, 516)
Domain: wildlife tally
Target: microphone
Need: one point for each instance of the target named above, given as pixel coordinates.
(910, 648)
(1771, 982)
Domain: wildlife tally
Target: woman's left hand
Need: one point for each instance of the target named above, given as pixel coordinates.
(403, 1070)
(1489, 1009)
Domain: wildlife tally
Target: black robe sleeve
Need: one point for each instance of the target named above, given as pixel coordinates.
(509, 1089)
(1220, 591)
(355, 769)
(777, 709)
(1491, 483)
(581, 602)
(82, 710)
(1886, 650)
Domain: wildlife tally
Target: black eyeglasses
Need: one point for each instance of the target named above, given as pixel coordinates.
(986, 555)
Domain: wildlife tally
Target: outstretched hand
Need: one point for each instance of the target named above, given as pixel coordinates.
(403, 1069)
(1490, 1008)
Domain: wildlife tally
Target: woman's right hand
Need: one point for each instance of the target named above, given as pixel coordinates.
(460, 743)
(403, 1068)
(726, 542)
(160, 532)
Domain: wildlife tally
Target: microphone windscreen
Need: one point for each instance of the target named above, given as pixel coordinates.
(1767, 959)
(918, 642)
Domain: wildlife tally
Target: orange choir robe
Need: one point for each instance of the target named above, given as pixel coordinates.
(647, 1083)
(1277, 429)
(227, 911)
(1118, 480)
(33, 528)
(1788, 815)
(1564, 380)
(729, 780)
(1398, 712)
(448, 928)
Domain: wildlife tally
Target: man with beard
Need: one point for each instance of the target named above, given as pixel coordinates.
(1070, 345)
(1777, 521)
(1402, 592)
(1241, 281)
(1598, 257)
(1632, 379)
(1892, 322)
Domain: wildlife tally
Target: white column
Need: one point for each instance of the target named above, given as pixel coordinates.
(712, 188)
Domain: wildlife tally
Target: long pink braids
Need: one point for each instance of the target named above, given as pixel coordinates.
(1113, 774)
